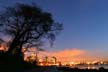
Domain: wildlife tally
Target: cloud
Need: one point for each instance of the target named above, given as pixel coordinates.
(74, 54)
(64, 55)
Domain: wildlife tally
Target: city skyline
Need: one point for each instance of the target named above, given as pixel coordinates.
(69, 55)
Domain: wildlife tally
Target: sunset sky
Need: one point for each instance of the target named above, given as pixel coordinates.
(85, 34)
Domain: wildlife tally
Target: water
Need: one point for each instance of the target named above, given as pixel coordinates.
(90, 66)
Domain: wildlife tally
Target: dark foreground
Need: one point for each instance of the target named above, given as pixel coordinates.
(11, 68)
(67, 69)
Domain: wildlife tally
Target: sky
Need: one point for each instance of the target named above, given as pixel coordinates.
(85, 24)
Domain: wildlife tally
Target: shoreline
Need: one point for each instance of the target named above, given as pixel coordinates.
(68, 69)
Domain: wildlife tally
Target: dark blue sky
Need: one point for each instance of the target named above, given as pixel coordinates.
(85, 22)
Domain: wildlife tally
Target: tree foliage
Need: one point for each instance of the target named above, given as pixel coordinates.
(27, 25)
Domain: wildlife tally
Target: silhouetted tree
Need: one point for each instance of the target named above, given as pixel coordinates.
(28, 26)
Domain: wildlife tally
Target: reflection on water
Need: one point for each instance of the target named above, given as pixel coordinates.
(90, 66)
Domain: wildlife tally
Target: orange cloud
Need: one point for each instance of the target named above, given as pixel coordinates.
(65, 55)
(75, 54)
